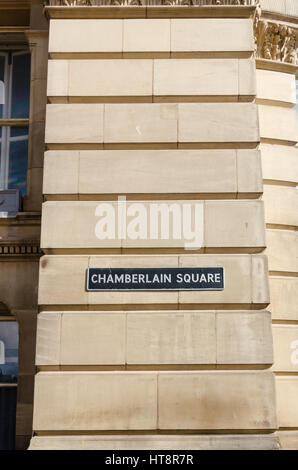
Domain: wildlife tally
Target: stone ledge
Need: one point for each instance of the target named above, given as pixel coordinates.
(214, 11)
(163, 442)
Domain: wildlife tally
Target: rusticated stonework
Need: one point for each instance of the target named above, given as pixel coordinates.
(274, 41)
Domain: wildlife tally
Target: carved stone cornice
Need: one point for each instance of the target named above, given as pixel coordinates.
(149, 2)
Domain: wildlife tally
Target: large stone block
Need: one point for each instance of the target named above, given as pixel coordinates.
(102, 400)
(74, 123)
(153, 172)
(224, 224)
(286, 401)
(89, 35)
(249, 171)
(81, 338)
(244, 338)
(218, 122)
(126, 77)
(75, 224)
(280, 162)
(216, 400)
(139, 122)
(276, 86)
(212, 34)
(282, 250)
(281, 205)
(61, 172)
(285, 341)
(93, 338)
(58, 78)
(247, 77)
(260, 287)
(62, 280)
(234, 223)
(146, 35)
(171, 338)
(246, 280)
(283, 297)
(277, 122)
(48, 338)
(203, 77)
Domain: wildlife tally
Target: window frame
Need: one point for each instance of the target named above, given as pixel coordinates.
(6, 121)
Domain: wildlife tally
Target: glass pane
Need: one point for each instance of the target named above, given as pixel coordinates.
(17, 170)
(9, 345)
(2, 94)
(18, 131)
(20, 86)
(0, 152)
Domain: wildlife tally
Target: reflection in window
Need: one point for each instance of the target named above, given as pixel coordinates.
(20, 89)
(15, 80)
(8, 383)
(18, 151)
(2, 87)
(9, 341)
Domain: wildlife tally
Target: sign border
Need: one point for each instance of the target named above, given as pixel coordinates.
(161, 289)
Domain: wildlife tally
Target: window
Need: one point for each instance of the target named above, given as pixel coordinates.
(14, 113)
(9, 345)
(8, 351)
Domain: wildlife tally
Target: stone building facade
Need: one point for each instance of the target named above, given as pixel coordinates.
(176, 104)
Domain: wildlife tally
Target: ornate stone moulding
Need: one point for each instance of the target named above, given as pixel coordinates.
(149, 2)
(20, 249)
(276, 42)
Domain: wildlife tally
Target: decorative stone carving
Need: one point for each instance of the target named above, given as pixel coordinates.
(124, 3)
(149, 2)
(276, 41)
(20, 248)
(73, 3)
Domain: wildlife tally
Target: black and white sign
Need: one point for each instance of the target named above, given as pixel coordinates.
(155, 279)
